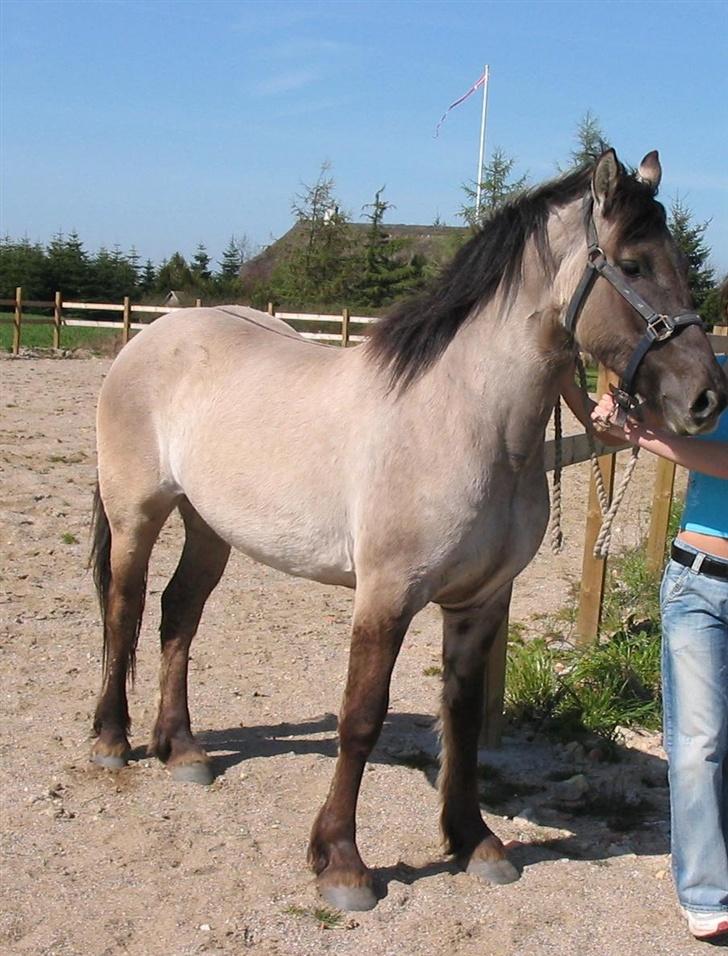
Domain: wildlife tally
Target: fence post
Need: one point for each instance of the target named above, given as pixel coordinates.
(593, 570)
(126, 331)
(491, 729)
(271, 309)
(57, 319)
(344, 327)
(198, 303)
(17, 320)
(660, 516)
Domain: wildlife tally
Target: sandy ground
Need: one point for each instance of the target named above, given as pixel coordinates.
(102, 863)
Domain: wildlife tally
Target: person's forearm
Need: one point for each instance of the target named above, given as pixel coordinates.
(709, 458)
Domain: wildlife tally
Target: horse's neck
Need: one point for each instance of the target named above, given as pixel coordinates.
(509, 359)
(514, 351)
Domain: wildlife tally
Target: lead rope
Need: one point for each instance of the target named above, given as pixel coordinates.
(608, 511)
(557, 536)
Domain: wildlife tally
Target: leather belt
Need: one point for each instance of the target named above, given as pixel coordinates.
(712, 566)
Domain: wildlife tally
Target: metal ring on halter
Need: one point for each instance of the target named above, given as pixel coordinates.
(595, 252)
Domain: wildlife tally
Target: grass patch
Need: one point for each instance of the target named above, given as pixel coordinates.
(326, 917)
(68, 538)
(593, 691)
(103, 341)
(578, 693)
(433, 671)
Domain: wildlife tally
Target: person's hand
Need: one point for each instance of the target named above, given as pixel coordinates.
(608, 418)
(603, 413)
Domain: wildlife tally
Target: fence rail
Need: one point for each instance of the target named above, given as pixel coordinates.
(338, 329)
(346, 329)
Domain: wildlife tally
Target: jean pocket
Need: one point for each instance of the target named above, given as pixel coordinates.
(676, 577)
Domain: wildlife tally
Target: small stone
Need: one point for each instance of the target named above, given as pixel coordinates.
(572, 789)
(575, 750)
(204, 927)
(661, 875)
(526, 815)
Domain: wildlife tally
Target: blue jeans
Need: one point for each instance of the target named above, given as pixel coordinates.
(695, 697)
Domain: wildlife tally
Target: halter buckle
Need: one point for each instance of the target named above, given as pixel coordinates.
(660, 327)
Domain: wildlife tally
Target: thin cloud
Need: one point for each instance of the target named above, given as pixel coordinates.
(288, 82)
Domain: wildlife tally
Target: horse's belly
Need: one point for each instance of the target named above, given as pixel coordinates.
(328, 562)
(294, 536)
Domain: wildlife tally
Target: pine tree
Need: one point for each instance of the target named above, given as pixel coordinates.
(133, 258)
(386, 275)
(174, 275)
(496, 188)
(231, 260)
(69, 268)
(24, 264)
(200, 264)
(591, 141)
(320, 271)
(148, 278)
(690, 237)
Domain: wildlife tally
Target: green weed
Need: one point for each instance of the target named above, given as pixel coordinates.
(326, 917)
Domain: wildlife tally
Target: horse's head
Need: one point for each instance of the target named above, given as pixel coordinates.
(633, 309)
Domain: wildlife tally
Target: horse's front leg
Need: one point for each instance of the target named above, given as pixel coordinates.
(467, 637)
(343, 879)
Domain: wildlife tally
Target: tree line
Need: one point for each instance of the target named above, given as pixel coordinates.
(64, 264)
(330, 261)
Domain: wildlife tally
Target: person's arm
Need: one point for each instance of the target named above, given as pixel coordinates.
(709, 458)
(583, 407)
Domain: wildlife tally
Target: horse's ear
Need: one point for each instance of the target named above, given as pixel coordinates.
(650, 171)
(605, 177)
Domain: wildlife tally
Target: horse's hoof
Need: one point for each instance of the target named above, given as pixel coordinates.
(498, 872)
(109, 761)
(200, 773)
(349, 898)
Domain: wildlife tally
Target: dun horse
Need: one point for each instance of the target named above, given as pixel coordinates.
(409, 468)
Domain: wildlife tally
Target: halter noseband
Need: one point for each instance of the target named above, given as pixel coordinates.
(659, 326)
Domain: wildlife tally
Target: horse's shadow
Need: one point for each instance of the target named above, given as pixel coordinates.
(410, 739)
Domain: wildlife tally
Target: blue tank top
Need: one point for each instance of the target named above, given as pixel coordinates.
(706, 500)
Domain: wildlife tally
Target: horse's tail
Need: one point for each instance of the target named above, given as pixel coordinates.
(100, 564)
(100, 559)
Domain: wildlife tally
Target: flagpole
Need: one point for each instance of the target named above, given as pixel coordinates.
(481, 155)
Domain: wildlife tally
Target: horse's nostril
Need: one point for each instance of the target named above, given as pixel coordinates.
(704, 405)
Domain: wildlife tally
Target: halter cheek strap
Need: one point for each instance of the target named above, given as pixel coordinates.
(659, 326)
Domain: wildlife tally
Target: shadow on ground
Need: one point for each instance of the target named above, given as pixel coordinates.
(623, 808)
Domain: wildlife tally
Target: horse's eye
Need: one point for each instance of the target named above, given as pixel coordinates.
(629, 267)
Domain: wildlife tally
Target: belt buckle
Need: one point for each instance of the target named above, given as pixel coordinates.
(697, 564)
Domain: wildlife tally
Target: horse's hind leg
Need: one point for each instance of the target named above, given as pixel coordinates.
(122, 545)
(467, 636)
(200, 568)
(378, 629)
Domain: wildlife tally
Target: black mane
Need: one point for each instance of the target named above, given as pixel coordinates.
(417, 331)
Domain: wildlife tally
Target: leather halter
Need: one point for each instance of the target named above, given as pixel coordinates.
(659, 326)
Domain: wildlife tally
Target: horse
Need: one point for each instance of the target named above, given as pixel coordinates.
(409, 468)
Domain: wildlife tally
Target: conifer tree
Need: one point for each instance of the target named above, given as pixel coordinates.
(386, 273)
(68, 266)
(496, 187)
(591, 141)
(690, 237)
(200, 264)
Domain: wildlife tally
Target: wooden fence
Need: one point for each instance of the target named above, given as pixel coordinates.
(344, 330)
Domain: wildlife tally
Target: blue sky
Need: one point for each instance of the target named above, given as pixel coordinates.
(162, 124)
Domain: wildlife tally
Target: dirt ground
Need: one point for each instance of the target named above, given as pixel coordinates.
(100, 863)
